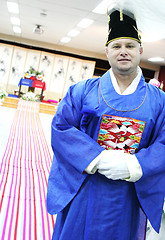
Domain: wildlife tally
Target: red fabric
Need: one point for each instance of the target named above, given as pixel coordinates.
(44, 101)
(52, 101)
(33, 78)
(162, 76)
(39, 84)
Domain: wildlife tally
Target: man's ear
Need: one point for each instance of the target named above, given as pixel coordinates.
(141, 50)
(106, 51)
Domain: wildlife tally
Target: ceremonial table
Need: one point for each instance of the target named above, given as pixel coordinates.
(33, 84)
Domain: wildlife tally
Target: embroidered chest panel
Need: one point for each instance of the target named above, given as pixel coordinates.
(120, 133)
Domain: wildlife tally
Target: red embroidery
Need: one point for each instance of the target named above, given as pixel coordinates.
(119, 133)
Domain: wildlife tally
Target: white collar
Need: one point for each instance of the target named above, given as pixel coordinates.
(131, 88)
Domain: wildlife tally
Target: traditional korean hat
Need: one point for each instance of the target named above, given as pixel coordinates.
(148, 16)
(122, 24)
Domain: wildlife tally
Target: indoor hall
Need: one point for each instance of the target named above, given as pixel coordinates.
(44, 49)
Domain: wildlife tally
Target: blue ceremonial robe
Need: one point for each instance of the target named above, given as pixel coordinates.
(92, 207)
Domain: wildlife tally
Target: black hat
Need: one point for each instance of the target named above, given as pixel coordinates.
(122, 25)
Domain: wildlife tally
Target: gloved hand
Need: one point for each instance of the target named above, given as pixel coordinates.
(113, 165)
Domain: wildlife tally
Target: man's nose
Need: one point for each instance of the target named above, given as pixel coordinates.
(123, 51)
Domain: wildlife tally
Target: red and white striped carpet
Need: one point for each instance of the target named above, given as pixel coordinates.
(24, 171)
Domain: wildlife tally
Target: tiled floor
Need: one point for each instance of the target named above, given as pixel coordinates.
(26, 169)
(6, 118)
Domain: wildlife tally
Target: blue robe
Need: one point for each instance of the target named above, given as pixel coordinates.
(92, 207)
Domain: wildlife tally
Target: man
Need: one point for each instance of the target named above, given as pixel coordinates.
(108, 139)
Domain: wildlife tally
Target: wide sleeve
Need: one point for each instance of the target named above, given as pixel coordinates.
(151, 187)
(73, 150)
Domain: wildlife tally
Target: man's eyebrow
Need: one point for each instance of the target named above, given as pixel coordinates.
(130, 43)
(116, 43)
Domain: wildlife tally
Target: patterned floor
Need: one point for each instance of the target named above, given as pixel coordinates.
(24, 170)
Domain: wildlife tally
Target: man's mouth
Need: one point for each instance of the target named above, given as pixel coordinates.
(124, 60)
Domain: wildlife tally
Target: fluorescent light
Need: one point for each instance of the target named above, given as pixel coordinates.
(13, 7)
(84, 23)
(102, 7)
(16, 29)
(156, 59)
(73, 33)
(150, 38)
(15, 21)
(65, 40)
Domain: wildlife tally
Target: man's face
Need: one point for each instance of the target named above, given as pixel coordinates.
(124, 55)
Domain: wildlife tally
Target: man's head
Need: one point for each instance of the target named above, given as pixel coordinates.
(124, 55)
(123, 46)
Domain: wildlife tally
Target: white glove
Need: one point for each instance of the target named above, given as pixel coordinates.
(113, 165)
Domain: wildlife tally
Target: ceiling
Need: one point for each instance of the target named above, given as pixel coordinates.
(63, 16)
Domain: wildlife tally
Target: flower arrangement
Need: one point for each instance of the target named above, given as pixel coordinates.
(34, 74)
(156, 83)
(30, 96)
(3, 93)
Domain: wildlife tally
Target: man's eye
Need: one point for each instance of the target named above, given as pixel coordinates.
(116, 46)
(130, 46)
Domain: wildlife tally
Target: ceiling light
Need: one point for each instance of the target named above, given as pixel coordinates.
(43, 13)
(73, 33)
(16, 29)
(150, 38)
(38, 29)
(156, 59)
(15, 21)
(13, 7)
(102, 7)
(84, 23)
(65, 40)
